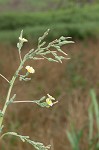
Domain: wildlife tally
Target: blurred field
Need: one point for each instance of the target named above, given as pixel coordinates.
(70, 82)
(43, 5)
(77, 22)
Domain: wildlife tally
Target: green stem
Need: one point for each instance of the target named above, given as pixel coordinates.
(20, 56)
(11, 86)
(9, 92)
(7, 99)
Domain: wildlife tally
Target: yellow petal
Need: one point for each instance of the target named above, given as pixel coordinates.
(49, 102)
(50, 97)
(30, 69)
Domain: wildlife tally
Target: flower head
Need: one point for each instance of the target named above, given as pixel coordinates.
(23, 40)
(30, 69)
(49, 100)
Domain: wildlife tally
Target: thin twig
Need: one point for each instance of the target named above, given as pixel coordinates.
(4, 78)
(23, 101)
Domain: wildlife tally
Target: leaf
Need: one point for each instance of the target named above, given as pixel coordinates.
(69, 135)
(74, 137)
(41, 99)
(24, 79)
(43, 37)
(91, 121)
(40, 103)
(96, 107)
(59, 49)
(62, 38)
(37, 145)
(31, 51)
(42, 44)
(18, 45)
(65, 42)
(37, 58)
(21, 34)
(45, 53)
(51, 59)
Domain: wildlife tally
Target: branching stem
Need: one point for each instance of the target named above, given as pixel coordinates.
(9, 91)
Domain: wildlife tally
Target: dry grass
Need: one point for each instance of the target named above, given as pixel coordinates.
(68, 82)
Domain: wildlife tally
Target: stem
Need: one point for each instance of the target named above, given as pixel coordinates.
(7, 133)
(3, 135)
(7, 99)
(9, 91)
(20, 56)
(4, 78)
(23, 102)
(11, 85)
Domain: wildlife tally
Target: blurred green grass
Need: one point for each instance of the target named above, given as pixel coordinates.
(4, 1)
(75, 136)
(76, 22)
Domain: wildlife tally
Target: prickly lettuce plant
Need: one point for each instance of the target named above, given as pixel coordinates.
(41, 52)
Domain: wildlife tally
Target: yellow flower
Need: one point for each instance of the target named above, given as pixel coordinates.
(30, 69)
(49, 100)
(23, 39)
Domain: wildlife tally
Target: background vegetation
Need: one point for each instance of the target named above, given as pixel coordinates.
(73, 123)
(79, 22)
